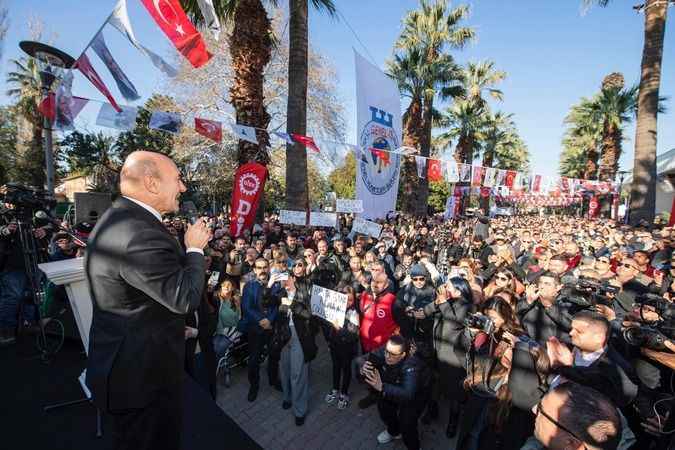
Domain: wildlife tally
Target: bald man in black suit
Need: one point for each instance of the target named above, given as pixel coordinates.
(142, 286)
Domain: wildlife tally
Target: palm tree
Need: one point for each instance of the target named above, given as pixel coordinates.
(250, 44)
(584, 134)
(297, 190)
(465, 123)
(480, 79)
(614, 108)
(643, 188)
(25, 87)
(499, 133)
(424, 71)
(573, 162)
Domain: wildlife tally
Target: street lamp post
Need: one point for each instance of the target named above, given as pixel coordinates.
(51, 63)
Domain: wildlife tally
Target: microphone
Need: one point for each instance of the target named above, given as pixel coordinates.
(189, 210)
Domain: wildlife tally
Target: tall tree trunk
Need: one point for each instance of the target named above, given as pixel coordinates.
(611, 152)
(250, 48)
(412, 137)
(297, 191)
(643, 188)
(591, 171)
(425, 150)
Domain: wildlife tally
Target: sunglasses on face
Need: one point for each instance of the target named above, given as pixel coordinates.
(502, 278)
(629, 266)
(418, 278)
(539, 410)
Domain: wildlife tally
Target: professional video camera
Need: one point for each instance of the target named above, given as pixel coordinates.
(645, 336)
(661, 306)
(481, 322)
(587, 292)
(26, 201)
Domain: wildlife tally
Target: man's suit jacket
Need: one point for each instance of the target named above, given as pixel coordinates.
(142, 285)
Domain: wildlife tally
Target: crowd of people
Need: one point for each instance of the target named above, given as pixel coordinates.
(534, 331)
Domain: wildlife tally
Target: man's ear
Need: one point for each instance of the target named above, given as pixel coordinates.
(151, 184)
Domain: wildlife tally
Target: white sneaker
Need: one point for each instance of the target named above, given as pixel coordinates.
(343, 402)
(331, 397)
(385, 437)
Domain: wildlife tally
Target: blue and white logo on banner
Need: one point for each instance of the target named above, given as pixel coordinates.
(379, 170)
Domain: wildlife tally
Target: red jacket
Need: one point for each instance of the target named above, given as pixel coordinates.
(377, 320)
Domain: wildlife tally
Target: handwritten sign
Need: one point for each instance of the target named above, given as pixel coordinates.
(348, 205)
(366, 227)
(329, 305)
(292, 217)
(322, 219)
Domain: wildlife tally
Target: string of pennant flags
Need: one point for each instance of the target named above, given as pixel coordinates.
(61, 107)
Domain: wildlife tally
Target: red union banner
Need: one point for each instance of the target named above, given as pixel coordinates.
(249, 182)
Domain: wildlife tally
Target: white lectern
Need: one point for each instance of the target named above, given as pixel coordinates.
(70, 273)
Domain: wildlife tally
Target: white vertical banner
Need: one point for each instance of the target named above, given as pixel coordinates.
(378, 118)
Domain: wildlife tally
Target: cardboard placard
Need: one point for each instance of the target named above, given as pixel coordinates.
(328, 304)
(348, 205)
(366, 227)
(292, 217)
(323, 219)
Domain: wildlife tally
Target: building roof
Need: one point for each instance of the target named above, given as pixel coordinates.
(665, 164)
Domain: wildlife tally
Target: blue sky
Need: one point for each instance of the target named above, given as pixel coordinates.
(552, 53)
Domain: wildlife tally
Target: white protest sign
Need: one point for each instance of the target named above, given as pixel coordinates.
(347, 205)
(292, 217)
(328, 304)
(322, 219)
(366, 227)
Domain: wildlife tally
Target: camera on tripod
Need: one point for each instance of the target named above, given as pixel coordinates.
(480, 322)
(26, 201)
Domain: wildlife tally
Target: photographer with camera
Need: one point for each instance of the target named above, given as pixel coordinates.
(505, 377)
(401, 381)
(542, 312)
(13, 277)
(452, 305)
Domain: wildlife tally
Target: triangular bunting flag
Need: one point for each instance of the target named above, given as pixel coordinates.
(120, 20)
(125, 86)
(210, 17)
(307, 141)
(287, 137)
(84, 65)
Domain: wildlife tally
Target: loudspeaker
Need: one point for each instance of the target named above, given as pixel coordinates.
(89, 206)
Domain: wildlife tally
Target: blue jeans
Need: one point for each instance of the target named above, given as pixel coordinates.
(12, 286)
(220, 345)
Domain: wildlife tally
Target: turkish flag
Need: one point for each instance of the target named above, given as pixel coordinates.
(84, 65)
(510, 178)
(173, 21)
(210, 128)
(307, 141)
(435, 170)
(249, 183)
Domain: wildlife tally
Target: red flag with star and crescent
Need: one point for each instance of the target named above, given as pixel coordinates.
(210, 128)
(173, 21)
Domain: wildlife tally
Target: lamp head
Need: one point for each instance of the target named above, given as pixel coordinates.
(51, 61)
